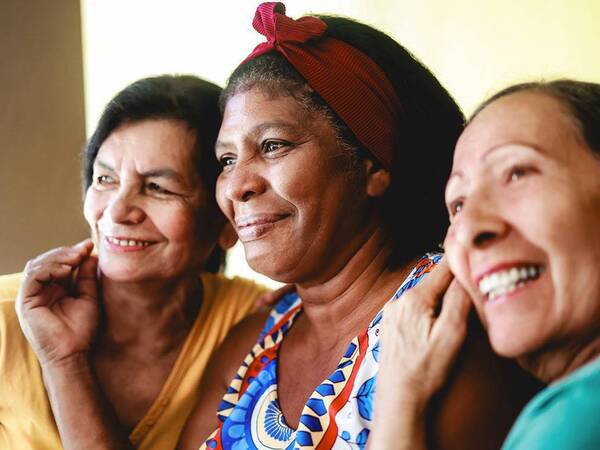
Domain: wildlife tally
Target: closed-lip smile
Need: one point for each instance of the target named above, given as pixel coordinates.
(253, 226)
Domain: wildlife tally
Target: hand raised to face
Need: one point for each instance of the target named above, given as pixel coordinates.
(57, 304)
(418, 345)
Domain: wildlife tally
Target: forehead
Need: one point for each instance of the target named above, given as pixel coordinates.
(248, 108)
(528, 118)
(150, 142)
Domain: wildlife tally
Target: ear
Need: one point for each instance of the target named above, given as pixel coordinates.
(227, 236)
(378, 179)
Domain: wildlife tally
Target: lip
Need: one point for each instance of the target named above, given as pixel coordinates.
(122, 249)
(254, 226)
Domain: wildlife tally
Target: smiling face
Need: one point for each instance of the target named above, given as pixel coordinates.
(298, 203)
(524, 239)
(145, 201)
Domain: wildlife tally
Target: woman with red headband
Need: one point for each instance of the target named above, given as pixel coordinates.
(335, 145)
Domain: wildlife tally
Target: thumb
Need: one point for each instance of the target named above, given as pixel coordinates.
(86, 282)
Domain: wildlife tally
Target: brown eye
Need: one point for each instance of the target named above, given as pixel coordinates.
(104, 179)
(157, 188)
(518, 172)
(456, 207)
(271, 146)
(226, 160)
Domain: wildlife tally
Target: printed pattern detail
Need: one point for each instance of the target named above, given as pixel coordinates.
(337, 415)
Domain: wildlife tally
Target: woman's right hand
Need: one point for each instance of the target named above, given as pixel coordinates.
(57, 304)
(423, 332)
(418, 347)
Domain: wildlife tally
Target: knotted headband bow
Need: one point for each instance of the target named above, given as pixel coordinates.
(350, 82)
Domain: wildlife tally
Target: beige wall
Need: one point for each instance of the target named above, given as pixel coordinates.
(41, 128)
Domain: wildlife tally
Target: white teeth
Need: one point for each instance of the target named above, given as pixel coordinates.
(127, 242)
(523, 272)
(505, 281)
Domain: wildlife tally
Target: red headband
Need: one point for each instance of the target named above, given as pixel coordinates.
(348, 80)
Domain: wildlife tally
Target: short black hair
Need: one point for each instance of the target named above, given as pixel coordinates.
(184, 98)
(581, 98)
(413, 208)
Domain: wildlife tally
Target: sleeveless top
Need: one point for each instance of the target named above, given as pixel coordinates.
(338, 414)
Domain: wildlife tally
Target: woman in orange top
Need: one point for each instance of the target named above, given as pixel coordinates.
(131, 327)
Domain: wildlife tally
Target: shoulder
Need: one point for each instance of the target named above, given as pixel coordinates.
(424, 265)
(237, 344)
(17, 361)
(562, 416)
(9, 286)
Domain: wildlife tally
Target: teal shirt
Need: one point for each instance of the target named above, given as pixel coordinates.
(564, 416)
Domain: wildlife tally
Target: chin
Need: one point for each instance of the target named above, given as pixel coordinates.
(271, 266)
(121, 273)
(513, 343)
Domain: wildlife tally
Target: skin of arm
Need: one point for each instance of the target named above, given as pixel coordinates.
(93, 423)
(219, 372)
(58, 310)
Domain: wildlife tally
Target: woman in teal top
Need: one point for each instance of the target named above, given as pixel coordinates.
(524, 246)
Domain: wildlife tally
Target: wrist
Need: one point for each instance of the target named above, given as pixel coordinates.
(75, 363)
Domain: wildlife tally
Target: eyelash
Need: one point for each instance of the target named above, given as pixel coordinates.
(226, 160)
(157, 188)
(266, 146)
(456, 206)
(279, 144)
(104, 179)
(515, 173)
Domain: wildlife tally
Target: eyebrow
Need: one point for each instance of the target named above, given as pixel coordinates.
(162, 172)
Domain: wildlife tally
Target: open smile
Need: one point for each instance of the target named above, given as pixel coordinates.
(126, 244)
(507, 280)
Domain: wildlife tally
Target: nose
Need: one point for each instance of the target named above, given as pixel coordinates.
(124, 209)
(244, 182)
(478, 225)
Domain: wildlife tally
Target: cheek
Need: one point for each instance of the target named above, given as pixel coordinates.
(455, 255)
(221, 196)
(92, 208)
(176, 224)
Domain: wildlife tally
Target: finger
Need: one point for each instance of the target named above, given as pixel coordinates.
(65, 255)
(426, 297)
(438, 280)
(86, 282)
(38, 279)
(451, 325)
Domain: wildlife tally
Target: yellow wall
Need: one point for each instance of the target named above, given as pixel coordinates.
(475, 47)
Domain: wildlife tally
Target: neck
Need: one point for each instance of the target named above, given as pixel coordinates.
(156, 315)
(338, 305)
(553, 364)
